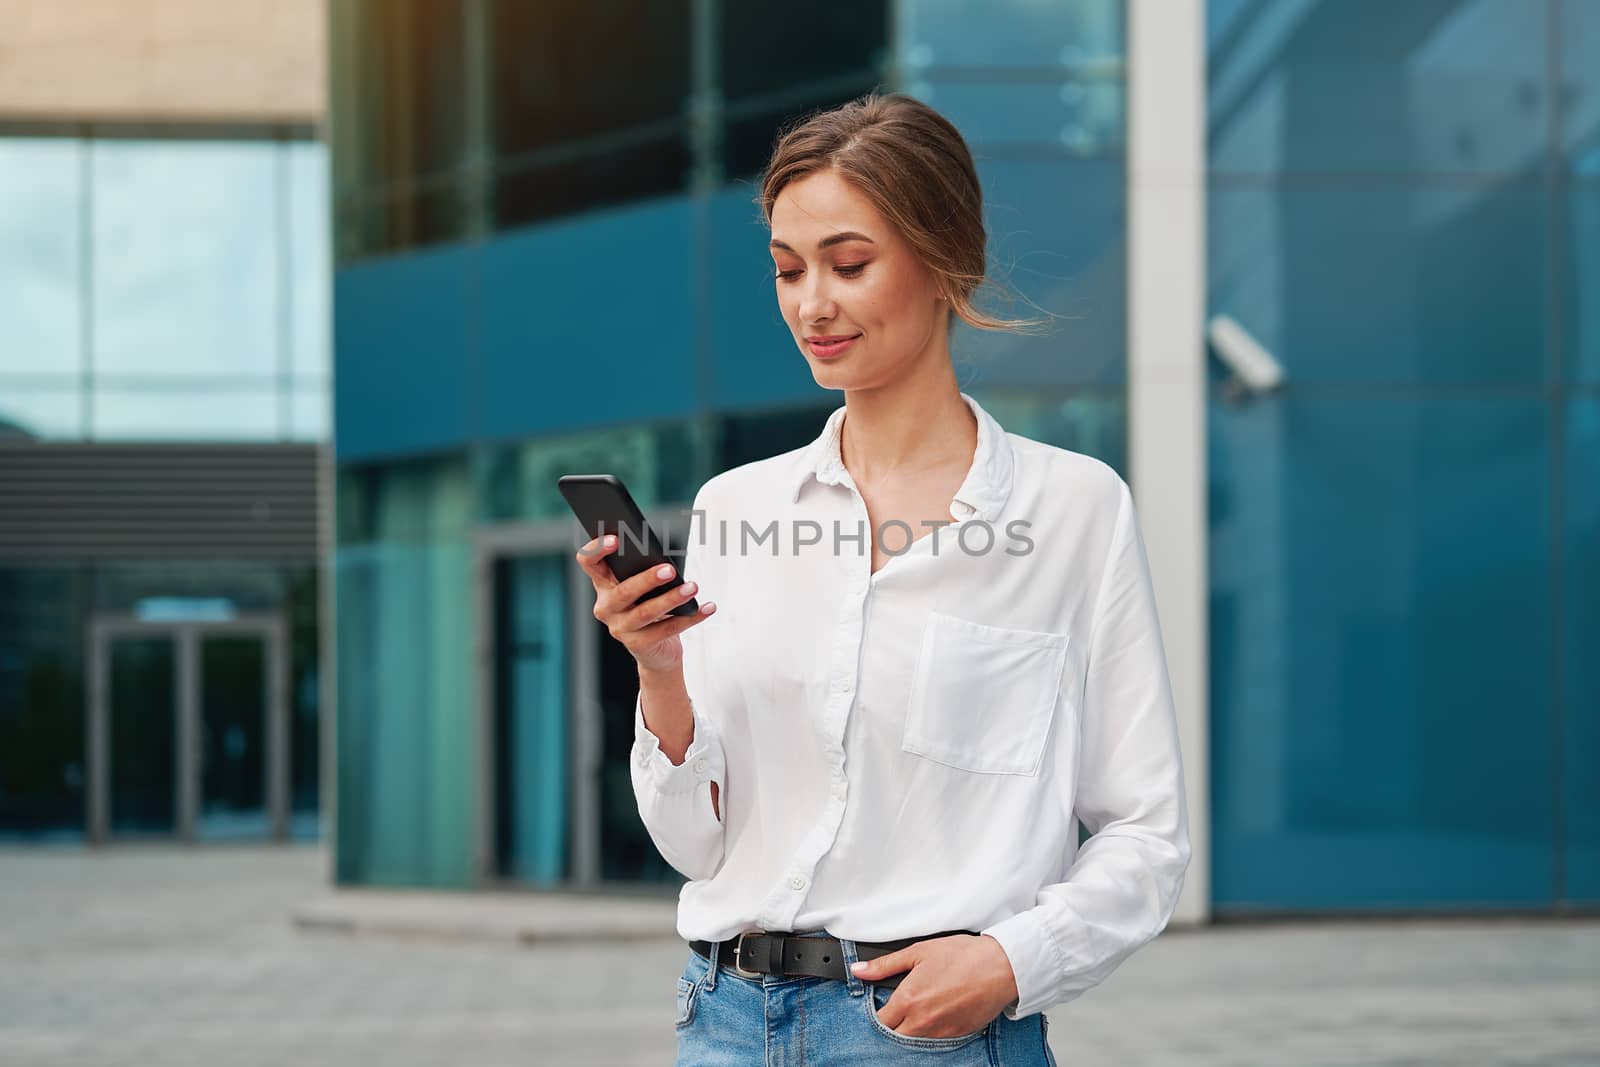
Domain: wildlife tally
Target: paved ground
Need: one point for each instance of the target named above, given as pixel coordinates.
(167, 956)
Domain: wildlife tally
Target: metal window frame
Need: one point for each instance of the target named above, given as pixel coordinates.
(491, 543)
(186, 636)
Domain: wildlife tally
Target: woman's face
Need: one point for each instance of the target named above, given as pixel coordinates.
(843, 272)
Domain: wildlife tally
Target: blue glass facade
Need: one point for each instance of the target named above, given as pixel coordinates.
(531, 281)
(1403, 539)
(1403, 207)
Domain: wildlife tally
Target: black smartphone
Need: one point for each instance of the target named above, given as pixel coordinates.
(603, 506)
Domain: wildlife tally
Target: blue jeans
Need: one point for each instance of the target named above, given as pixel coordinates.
(727, 1020)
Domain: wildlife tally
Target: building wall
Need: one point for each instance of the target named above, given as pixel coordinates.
(163, 384)
(162, 60)
(1404, 560)
(506, 226)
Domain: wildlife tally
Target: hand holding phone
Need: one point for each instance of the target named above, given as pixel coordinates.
(630, 597)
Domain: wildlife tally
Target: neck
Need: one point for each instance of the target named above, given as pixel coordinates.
(906, 428)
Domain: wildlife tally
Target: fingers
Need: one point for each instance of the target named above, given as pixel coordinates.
(629, 616)
(885, 965)
(591, 557)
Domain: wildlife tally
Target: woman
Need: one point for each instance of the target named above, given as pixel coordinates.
(872, 771)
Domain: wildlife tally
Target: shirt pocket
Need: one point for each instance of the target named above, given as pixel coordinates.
(982, 697)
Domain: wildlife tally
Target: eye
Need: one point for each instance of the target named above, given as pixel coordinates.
(852, 271)
(788, 275)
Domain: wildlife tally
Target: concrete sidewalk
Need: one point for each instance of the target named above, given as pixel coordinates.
(531, 918)
(243, 956)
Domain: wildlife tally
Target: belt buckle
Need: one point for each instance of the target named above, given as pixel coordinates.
(738, 945)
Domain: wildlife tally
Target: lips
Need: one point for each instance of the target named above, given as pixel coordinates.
(823, 347)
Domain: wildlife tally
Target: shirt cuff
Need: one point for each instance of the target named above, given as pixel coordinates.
(1037, 962)
(701, 763)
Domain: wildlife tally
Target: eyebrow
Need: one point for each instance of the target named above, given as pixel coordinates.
(832, 239)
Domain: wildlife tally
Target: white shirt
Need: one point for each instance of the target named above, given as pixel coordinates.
(910, 751)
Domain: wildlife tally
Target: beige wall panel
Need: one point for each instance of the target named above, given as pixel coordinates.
(162, 60)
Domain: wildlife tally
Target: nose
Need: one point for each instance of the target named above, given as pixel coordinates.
(816, 300)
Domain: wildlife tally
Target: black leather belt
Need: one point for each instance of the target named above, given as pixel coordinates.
(758, 952)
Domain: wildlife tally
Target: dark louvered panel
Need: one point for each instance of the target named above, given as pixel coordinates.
(99, 501)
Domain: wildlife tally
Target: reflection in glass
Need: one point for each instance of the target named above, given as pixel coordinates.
(308, 412)
(625, 169)
(26, 411)
(1064, 266)
(1084, 116)
(1580, 64)
(1338, 86)
(42, 756)
(749, 135)
(1012, 33)
(626, 852)
(1364, 284)
(759, 52)
(185, 247)
(1583, 286)
(40, 273)
(233, 738)
(533, 720)
(557, 68)
(407, 61)
(143, 735)
(310, 279)
(174, 413)
(1581, 686)
(1381, 625)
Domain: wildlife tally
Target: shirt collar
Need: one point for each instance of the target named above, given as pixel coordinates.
(982, 494)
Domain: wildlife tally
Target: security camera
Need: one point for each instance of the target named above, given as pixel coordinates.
(1254, 369)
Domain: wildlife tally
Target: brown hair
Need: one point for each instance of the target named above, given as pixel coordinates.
(914, 166)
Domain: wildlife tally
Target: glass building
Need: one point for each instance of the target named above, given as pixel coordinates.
(548, 260)
(164, 399)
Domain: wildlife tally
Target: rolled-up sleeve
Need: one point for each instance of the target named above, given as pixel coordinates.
(1125, 881)
(675, 799)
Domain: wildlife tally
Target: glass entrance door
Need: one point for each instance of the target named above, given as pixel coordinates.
(233, 737)
(558, 701)
(188, 730)
(143, 701)
(533, 748)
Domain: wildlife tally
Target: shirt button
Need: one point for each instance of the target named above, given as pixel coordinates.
(797, 882)
(700, 765)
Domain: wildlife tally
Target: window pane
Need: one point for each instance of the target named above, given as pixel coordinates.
(171, 414)
(1381, 601)
(1371, 85)
(309, 265)
(1581, 623)
(1066, 267)
(1584, 284)
(558, 69)
(35, 412)
(308, 412)
(748, 136)
(185, 246)
(1083, 116)
(635, 172)
(1580, 65)
(1353, 283)
(42, 774)
(1012, 33)
(40, 291)
(397, 219)
(761, 53)
(407, 61)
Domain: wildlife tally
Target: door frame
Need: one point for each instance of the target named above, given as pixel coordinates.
(491, 543)
(186, 637)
